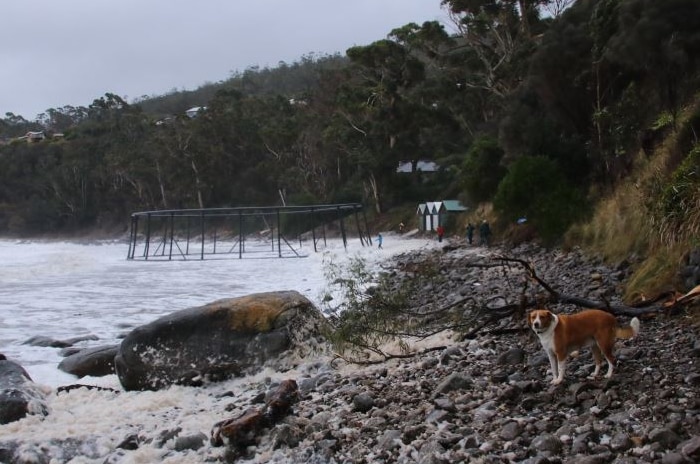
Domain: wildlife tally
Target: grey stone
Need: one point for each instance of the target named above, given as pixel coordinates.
(510, 431)
(471, 441)
(228, 337)
(621, 442)
(95, 362)
(286, 435)
(190, 442)
(665, 437)
(453, 382)
(547, 442)
(692, 379)
(445, 403)
(592, 459)
(131, 442)
(44, 341)
(580, 444)
(450, 354)
(673, 458)
(691, 448)
(429, 453)
(363, 402)
(512, 356)
(306, 385)
(389, 440)
(436, 416)
(19, 396)
(165, 435)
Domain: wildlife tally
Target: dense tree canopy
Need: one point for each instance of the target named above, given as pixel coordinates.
(506, 96)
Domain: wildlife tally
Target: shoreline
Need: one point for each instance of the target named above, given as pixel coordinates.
(482, 400)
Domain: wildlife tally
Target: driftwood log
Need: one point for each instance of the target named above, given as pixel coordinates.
(243, 430)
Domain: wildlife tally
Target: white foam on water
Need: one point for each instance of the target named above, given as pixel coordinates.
(63, 290)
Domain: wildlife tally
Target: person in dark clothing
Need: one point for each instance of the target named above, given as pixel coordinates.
(470, 232)
(484, 233)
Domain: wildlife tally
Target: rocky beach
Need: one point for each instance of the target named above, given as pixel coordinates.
(488, 399)
(483, 399)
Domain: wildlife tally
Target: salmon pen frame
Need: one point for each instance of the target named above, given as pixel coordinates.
(261, 232)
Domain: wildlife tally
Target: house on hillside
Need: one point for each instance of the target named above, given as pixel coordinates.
(435, 213)
(165, 120)
(35, 136)
(31, 137)
(194, 111)
(420, 166)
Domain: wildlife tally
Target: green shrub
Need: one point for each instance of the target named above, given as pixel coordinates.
(536, 188)
(664, 120)
(370, 312)
(482, 170)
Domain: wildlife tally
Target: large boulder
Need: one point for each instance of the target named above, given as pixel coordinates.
(95, 362)
(234, 336)
(19, 395)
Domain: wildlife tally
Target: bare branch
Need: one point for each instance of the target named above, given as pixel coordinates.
(347, 118)
(556, 297)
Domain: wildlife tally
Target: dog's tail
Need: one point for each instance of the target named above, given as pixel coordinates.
(630, 331)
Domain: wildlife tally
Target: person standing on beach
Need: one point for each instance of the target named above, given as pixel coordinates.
(484, 233)
(440, 232)
(470, 232)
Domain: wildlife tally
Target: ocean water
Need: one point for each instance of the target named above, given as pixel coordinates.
(63, 290)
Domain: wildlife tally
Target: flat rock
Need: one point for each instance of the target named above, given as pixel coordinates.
(94, 362)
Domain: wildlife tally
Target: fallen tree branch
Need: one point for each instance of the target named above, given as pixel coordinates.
(386, 357)
(556, 297)
(495, 312)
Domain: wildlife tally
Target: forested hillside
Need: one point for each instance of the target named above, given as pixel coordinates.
(541, 107)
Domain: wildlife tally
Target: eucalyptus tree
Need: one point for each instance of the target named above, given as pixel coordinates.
(550, 114)
(380, 115)
(62, 119)
(26, 203)
(268, 133)
(101, 161)
(497, 37)
(14, 125)
(661, 42)
(443, 111)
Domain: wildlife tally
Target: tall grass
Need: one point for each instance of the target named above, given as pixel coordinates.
(619, 227)
(676, 209)
(653, 218)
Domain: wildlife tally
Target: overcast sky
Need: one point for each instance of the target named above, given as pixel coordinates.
(55, 53)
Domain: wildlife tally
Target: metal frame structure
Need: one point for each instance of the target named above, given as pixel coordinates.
(217, 233)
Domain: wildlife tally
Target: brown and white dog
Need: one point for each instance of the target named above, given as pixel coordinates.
(562, 334)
